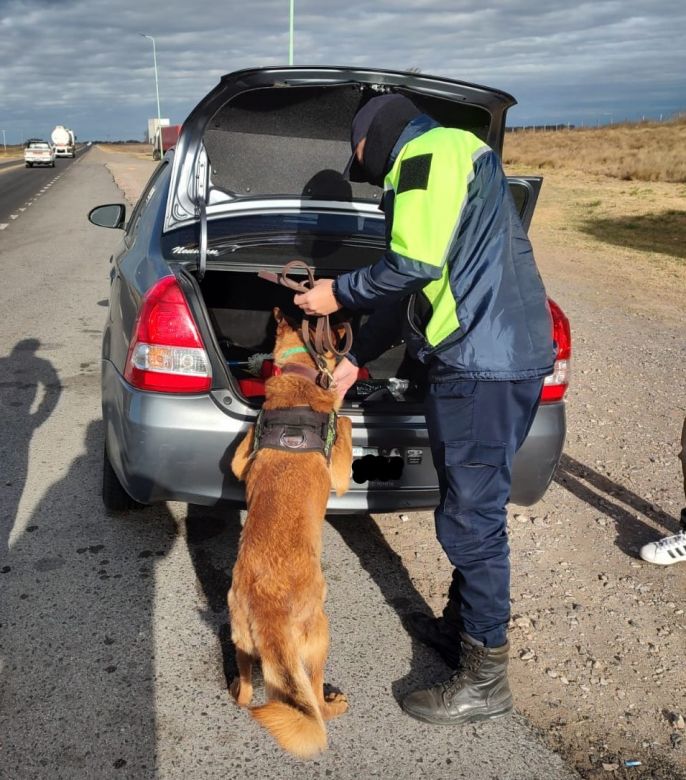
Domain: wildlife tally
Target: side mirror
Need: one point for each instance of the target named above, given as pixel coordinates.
(113, 215)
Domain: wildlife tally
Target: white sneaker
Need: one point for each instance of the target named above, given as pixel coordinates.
(667, 551)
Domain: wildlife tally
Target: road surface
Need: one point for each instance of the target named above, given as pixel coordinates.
(20, 187)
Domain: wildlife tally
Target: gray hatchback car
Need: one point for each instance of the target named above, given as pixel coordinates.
(254, 181)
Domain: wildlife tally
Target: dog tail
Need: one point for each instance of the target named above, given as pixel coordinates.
(293, 718)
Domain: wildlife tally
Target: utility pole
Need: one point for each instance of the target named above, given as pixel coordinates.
(290, 33)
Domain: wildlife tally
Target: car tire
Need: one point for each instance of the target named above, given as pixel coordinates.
(52, 164)
(29, 165)
(114, 497)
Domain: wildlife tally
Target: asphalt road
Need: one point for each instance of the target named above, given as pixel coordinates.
(20, 186)
(114, 649)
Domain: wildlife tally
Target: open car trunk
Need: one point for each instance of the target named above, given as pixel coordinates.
(256, 182)
(240, 304)
(240, 307)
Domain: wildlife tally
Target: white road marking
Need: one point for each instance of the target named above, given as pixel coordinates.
(3, 225)
(22, 209)
(14, 216)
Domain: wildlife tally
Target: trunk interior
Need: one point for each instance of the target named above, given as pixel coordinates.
(240, 307)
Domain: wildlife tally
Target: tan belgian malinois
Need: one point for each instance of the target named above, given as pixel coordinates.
(276, 601)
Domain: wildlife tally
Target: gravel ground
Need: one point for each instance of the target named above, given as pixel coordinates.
(597, 635)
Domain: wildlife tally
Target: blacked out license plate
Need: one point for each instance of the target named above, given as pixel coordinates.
(373, 465)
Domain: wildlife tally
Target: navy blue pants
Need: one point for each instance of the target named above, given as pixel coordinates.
(475, 428)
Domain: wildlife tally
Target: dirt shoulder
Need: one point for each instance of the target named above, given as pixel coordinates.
(597, 635)
(130, 172)
(624, 242)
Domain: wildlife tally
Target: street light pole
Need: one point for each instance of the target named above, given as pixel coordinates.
(4, 140)
(157, 90)
(290, 33)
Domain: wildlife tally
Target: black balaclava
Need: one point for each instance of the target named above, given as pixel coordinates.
(381, 121)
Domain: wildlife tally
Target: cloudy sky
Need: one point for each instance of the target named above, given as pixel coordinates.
(81, 63)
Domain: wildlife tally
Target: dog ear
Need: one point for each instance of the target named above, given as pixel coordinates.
(242, 460)
(342, 456)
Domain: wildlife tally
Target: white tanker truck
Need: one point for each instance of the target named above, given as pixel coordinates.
(64, 141)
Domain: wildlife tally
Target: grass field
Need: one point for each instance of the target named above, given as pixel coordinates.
(12, 152)
(624, 186)
(646, 151)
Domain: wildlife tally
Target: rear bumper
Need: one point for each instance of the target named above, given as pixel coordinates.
(179, 448)
(535, 462)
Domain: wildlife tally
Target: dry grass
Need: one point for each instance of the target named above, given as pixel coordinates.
(619, 186)
(142, 151)
(12, 152)
(643, 152)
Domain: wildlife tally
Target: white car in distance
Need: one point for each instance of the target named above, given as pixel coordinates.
(38, 152)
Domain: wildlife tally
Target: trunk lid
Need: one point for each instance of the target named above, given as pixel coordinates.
(278, 138)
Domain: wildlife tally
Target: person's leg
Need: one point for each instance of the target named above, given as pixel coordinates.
(475, 428)
(449, 410)
(474, 440)
(449, 405)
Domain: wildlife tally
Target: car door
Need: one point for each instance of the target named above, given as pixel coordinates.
(525, 191)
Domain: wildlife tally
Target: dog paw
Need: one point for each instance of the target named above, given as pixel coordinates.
(241, 693)
(335, 704)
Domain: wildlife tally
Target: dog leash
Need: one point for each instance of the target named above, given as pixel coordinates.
(324, 338)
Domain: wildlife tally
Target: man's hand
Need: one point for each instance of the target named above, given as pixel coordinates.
(345, 376)
(319, 300)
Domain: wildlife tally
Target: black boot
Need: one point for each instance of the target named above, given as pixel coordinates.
(436, 633)
(478, 690)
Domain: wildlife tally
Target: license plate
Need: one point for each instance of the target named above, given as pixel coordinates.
(360, 452)
(370, 466)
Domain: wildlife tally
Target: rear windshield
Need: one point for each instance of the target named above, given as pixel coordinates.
(39, 146)
(296, 140)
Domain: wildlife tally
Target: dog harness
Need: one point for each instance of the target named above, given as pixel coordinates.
(298, 429)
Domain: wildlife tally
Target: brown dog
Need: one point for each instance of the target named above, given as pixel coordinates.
(276, 601)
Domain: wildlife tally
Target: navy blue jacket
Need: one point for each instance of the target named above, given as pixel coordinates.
(499, 326)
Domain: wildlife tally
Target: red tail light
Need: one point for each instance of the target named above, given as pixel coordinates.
(555, 385)
(166, 353)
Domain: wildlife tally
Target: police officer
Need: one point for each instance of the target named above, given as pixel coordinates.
(478, 318)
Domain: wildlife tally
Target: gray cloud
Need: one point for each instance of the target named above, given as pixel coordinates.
(82, 63)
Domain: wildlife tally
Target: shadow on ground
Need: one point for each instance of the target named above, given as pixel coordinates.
(76, 632)
(612, 499)
(664, 232)
(212, 535)
(29, 392)
(385, 567)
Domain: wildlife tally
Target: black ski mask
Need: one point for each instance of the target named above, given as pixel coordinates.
(381, 121)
